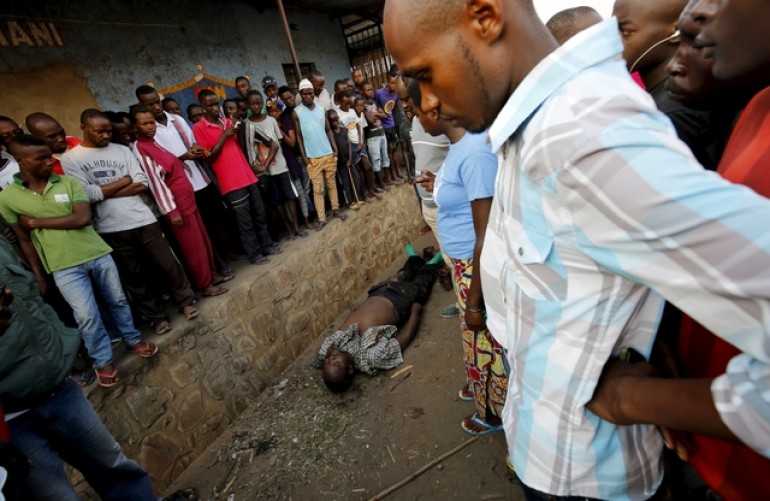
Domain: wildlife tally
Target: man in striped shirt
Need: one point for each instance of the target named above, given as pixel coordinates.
(599, 213)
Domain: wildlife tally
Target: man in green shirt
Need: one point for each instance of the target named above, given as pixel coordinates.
(52, 218)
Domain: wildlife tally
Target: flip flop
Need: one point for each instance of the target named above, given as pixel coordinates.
(465, 394)
(220, 278)
(488, 428)
(190, 312)
(107, 380)
(218, 291)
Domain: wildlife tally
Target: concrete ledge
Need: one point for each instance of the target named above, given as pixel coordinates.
(171, 408)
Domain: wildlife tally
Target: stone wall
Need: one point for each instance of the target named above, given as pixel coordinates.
(170, 408)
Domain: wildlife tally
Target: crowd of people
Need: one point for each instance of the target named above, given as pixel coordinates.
(598, 205)
(99, 232)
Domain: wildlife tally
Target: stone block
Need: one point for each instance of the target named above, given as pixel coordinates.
(182, 374)
(218, 311)
(158, 453)
(191, 411)
(147, 404)
(219, 382)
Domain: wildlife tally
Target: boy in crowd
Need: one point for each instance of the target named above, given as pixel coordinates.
(318, 149)
(237, 181)
(387, 101)
(354, 124)
(365, 166)
(170, 105)
(49, 130)
(376, 142)
(345, 176)
(194, 113)
(262, 138)
(291, 153)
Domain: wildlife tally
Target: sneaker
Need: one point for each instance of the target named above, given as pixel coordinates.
(449, 311)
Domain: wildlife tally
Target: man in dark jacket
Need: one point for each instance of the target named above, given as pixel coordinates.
(49, 418)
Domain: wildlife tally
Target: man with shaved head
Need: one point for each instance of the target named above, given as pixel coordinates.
(50, 130)
(113, 180)
(650, 37)
(599, 213)
(8, 166)
(569, 22)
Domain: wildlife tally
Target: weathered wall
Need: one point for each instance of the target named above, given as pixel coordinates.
(168, 410)
(108, 49)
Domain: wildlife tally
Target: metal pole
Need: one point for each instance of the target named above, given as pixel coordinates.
(287, 30)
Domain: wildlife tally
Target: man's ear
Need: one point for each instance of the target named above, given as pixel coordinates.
(485, 18)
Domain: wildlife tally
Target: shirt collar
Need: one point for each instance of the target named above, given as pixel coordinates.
(586, 49)
(53, 178)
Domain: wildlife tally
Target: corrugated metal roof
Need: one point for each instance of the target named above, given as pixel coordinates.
(338, 7)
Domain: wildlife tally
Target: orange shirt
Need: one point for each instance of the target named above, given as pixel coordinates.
(71, 143)
(734, 471)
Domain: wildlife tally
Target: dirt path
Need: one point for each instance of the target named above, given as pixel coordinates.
(300, 442)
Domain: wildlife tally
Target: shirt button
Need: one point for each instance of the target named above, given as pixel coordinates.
(521, 251)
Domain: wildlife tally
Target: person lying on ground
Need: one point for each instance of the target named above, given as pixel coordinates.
(368, 340)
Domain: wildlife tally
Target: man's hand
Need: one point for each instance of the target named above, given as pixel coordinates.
(177, 221)
(360, 147)
(607, 402)
(6, 298)
(426, 180)
(10, 235)
(26, 222)
(230, 132)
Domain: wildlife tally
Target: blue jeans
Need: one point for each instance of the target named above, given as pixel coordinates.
(66, 428)
(378, 152)
(78, 285)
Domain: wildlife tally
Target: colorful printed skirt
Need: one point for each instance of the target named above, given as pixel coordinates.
(484, 357)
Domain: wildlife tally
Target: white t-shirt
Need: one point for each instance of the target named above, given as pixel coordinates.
(8, 167)
(270, 129)
(168, 137)
(350, 121)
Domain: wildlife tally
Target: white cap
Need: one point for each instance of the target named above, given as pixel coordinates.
(305, 84)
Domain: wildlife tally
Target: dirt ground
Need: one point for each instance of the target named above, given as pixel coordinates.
(300, 442)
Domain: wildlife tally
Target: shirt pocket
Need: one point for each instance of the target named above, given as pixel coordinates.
(533, 261)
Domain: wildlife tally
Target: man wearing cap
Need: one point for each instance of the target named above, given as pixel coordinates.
(270, 86)
(319, 150)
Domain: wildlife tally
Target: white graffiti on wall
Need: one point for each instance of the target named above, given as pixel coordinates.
(31, 34)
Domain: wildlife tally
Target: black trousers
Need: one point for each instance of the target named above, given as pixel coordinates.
(251, 219)
(417, 279)
(138, 253)
(220, 224)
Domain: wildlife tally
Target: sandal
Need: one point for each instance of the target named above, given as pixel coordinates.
(85, 378)
(107, 380)
(190, 312)
(275, 249)
(291, 237)
(211, 292)
(320, 225)
(486, 428)
(223, 277)
(144, 349)
(259, 260)
(341, 215)
(465, 394)
(303, 233)
(161, 327)
(189, 494)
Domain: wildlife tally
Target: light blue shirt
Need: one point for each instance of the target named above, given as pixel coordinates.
(313, 124)
(600, 212)
(468, 174)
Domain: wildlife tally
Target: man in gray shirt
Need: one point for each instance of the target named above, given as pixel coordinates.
(113, 180)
